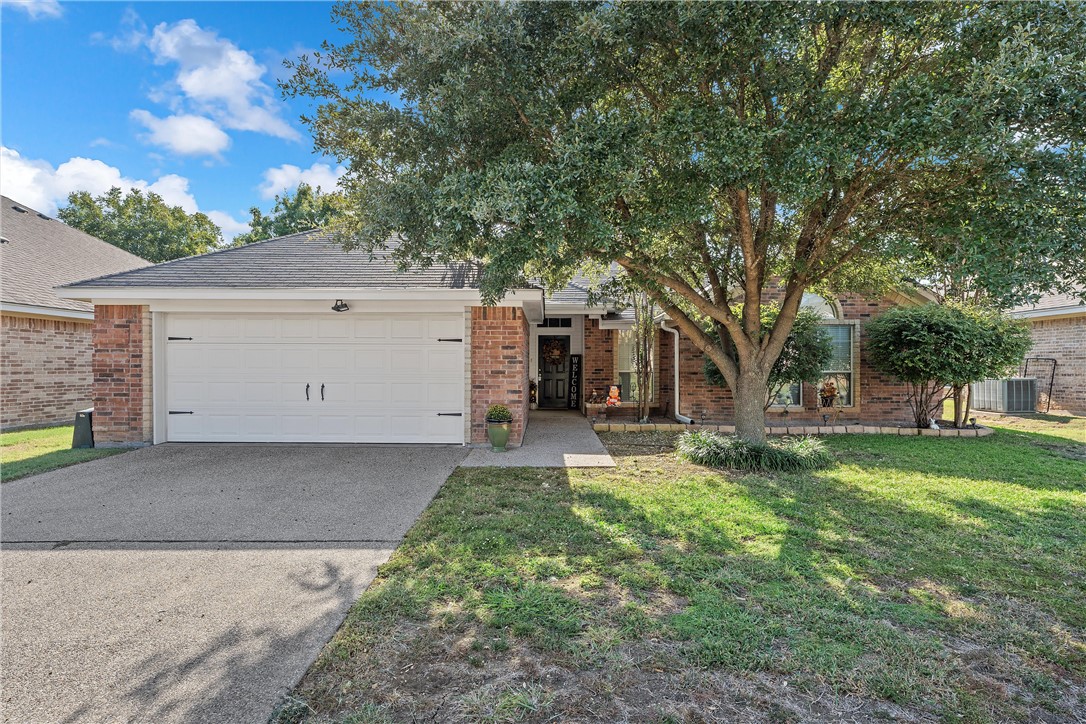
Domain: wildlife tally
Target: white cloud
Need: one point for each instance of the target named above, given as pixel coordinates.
(44, 188)
(187, 135)
(287, 177)
(219, 79)
(133, 33)
(36, 9)
(230, 226)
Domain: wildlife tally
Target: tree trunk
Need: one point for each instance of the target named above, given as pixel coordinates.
(959, 413)
(749, 396)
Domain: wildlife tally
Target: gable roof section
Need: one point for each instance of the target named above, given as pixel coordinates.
(309, 259)
(39, 253)
(1051, 305)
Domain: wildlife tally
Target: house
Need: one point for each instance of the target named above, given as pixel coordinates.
(295, 340)
(1057, 323)
(45, 341)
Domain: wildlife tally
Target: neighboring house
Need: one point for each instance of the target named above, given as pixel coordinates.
(1058, 325)
(45, 341)
(294, 340)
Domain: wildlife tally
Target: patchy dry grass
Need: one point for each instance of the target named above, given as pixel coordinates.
(919, 579)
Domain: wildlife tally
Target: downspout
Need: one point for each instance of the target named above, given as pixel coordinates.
(675, 368)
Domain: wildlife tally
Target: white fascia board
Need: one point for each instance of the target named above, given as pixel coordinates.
(39, 311)
(146, 295)
(1074, 310)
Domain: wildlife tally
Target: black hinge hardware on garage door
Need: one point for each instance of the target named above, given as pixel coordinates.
(450, 339)
(450, 414)
(181, 412)
(171, 339)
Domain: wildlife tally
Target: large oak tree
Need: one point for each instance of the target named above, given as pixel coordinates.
(716, 152)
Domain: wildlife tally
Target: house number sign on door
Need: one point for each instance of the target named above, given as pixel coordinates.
(574, 382)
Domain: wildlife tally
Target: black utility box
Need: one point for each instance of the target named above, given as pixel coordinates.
(83, 435)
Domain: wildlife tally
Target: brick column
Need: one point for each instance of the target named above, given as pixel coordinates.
(499, 367)
(121, 365)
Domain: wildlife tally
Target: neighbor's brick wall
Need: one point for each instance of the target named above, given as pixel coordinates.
(599, 359)
(875, 397)
(122, 375)
(45, 370)
(1064, 339)
(499, 367)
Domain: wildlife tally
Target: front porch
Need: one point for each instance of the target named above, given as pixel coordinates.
(553, 439)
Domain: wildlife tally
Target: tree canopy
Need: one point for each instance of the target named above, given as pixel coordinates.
(713, 149)
(307, 208)
(141, 223)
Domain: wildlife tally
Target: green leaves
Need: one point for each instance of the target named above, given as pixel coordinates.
(306, 209)
(142, 224)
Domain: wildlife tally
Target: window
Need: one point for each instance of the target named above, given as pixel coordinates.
(788, 395)
(839, 370)
(626, 368)
(556, 322)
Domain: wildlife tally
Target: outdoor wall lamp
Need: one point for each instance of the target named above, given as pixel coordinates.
(340, 306)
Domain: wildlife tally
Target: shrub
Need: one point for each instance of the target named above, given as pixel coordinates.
(933, 347)
(498, 413)
(728, 451)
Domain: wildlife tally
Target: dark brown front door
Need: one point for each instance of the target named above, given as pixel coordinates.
(553, 371)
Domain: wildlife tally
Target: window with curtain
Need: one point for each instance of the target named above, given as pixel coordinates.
(840, 368)
(626, 368)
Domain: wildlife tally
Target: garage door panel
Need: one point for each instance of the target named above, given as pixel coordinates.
(296, 328)
(298, 358)
(371, 328)
(445, 328)
(408, 328)
(407, 360)
(385, 378)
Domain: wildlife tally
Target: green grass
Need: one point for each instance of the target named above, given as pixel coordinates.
(936, 578)
(30, 452)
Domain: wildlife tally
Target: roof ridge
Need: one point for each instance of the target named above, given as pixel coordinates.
(213, 252)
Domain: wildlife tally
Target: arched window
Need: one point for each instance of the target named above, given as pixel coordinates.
(824, 307)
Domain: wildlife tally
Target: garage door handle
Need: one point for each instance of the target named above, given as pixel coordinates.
(450, 414)
(450, 339)
(322, 392)
(307, 392)
(181, 412)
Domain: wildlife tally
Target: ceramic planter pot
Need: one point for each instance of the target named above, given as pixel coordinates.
(498, 432)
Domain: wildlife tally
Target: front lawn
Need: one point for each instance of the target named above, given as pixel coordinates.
(920, 579)
(35, 451)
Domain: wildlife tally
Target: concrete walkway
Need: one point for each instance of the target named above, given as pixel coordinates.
(554, 439)
(193, 583)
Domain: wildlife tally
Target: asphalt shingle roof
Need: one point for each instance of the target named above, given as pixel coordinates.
(39, 253)
(1052, 301)
(307, 259)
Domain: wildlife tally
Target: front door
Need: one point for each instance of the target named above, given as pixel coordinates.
(553, 371)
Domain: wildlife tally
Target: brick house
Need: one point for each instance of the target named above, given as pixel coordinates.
(1057, 324)
(45, 341)
(294, 340)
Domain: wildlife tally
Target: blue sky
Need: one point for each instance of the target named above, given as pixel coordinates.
(178, 97)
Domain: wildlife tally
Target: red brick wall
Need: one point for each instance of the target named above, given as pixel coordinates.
(122, 375)
(499, 367)
(45, 370)
(875, 398)
(599, 359)
(1064, 339)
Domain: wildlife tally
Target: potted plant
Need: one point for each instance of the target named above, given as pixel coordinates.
(827, 393)
(499, 420)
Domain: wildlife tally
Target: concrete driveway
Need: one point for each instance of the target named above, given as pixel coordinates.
(193, 583)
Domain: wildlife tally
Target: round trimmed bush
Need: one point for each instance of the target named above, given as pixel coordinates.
(788, 454)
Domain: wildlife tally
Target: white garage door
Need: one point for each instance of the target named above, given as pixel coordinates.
(315, 378)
